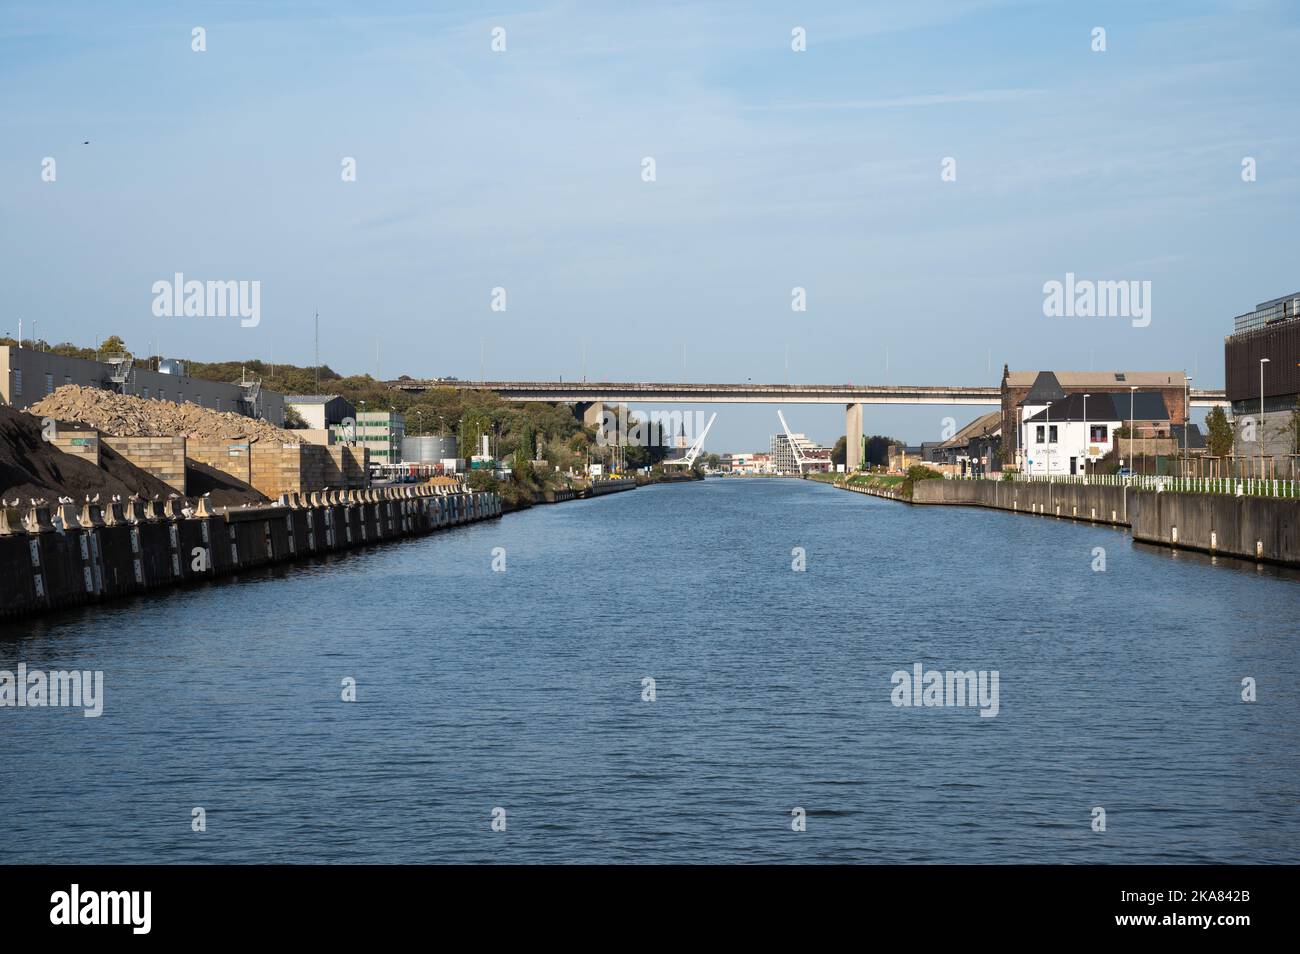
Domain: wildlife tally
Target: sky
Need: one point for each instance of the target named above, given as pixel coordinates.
(524, 169)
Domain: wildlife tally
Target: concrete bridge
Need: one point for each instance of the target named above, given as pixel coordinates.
(594, 394)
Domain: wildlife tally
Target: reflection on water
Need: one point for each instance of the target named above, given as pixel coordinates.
(523, 690)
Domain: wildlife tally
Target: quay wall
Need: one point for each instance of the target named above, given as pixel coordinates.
(54, 558)
(1265, 529)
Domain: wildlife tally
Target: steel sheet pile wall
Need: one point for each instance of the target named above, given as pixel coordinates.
(101, 554)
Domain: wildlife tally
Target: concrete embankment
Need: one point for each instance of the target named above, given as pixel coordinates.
(596, 488)
(1266, 529)
(613, 485)
(132, 548)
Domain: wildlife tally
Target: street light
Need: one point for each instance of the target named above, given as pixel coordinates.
(1262, 362)
(1087, 438)
(1187, 420)
(1049, 440)
(1132, 430)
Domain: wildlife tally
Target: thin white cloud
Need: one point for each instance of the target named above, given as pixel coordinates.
(907, 102)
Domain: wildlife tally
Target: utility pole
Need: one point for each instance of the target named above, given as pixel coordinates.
(317, 359)
(1262, 362)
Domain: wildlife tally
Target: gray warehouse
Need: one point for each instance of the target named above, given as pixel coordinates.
(27, 375)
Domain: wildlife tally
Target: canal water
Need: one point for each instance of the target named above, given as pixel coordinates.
(523, 689)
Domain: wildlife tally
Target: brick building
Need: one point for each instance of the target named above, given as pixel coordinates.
(1035, 388)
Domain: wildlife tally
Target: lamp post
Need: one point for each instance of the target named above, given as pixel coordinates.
(1262, 362)
(1132, 431)
(1187, 420)
(1087, 438)
(1049, 440)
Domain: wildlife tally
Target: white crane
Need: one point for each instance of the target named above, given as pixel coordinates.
(694, 450)
(799, 459)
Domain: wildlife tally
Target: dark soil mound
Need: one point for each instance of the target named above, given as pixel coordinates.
(32, 467)
(223, 490)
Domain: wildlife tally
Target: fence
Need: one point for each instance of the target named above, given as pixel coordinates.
(1240, 487)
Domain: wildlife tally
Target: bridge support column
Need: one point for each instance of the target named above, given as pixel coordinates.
(853, 437)
(592, 414)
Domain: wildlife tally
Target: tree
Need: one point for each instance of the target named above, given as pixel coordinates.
(113, 344)
(878, 450)
(839, 453)
(1219, 437)
(1292, 429)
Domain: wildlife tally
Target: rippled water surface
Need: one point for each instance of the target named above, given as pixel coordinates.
(523, 690)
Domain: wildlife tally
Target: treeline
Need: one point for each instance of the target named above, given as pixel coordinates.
(877, 450)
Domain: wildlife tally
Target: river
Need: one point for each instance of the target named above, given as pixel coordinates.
(522, 689)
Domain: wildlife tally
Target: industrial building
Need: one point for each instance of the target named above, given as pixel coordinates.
(1261, 361)
(27, 375)
(380, 432)
(320, 411)
(795, 454)
(975, 448)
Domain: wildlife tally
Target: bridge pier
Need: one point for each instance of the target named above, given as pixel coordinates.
(852, 437)
(592, 413)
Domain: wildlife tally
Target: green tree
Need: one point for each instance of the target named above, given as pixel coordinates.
(1292, 429)
(1219, 437)
(113, 344)
(839, 453)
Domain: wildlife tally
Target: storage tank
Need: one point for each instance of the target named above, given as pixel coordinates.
(427, 450)
(171, 366)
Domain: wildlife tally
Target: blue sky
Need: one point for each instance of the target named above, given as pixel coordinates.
(775, 169)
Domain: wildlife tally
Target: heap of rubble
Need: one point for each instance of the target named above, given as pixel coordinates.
(124, 415)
